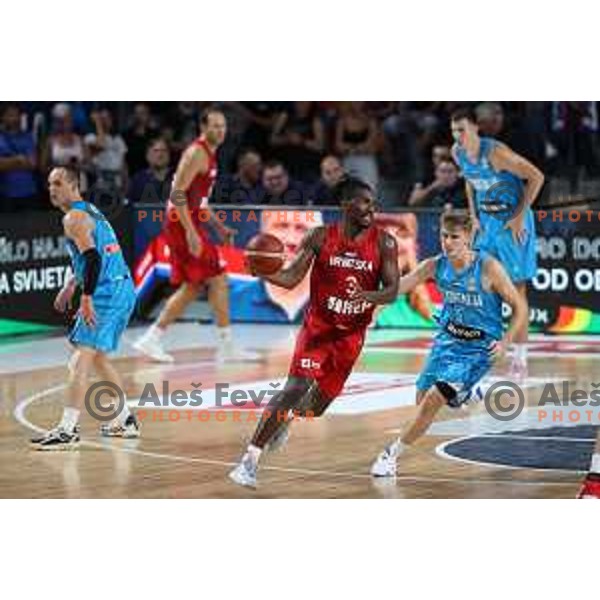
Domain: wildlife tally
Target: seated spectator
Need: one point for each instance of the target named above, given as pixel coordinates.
(138, 137)
(107, 155)
(279, 189)
(490, 118)
(18, 185)
(298, 138)
(152, 185)
(63, 147)
(439, 152)
(447, 189)
(243, 186)
(332, 172)
(356, 140)
(259, 118)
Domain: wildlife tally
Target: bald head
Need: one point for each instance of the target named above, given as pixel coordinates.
(63, 185)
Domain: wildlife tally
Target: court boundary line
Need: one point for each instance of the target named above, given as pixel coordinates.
(22, 405)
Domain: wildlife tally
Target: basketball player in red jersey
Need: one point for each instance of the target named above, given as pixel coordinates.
(355, 268)
(194, 258)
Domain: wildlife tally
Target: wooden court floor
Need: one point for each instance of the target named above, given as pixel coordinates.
(181, 456)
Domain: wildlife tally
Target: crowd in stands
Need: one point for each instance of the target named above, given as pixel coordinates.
(282, 153)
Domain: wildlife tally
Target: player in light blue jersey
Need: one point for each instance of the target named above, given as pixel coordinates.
(473, 285)
(102, 277)
(501, 187)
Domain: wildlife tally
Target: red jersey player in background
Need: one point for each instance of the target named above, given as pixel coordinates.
(354, 268)
(194, 258)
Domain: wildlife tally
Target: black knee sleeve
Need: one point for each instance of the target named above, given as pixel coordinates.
(447, 391)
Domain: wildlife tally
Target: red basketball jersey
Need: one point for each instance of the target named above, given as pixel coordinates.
(200, 189)
(343, 266)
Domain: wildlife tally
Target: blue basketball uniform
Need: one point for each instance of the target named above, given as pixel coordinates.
(497, 195)
(470, 321)
(114, 296)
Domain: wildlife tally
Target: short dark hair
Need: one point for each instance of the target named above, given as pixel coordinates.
(457, 219)
(209, 110)
(156, 140)
(273, 164)
(244, 152)
(72, 174)
(349, 187)
(465, 112)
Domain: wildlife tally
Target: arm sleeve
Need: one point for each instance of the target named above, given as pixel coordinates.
(93, 263)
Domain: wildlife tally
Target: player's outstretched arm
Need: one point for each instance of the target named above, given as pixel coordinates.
(292, 275)
(423, 272)
(499, 282)
(390, 275)
(504, 159)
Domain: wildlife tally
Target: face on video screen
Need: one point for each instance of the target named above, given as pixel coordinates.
(403, 227)
(291, 230)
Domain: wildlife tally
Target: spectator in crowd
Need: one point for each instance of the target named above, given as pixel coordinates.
(332, 172)
(107, 152)
(18, 162)
(574, 130)
(356, 140)
(153, 184)
(242, 187)
(63, 147)
(259, 117)
(439, 153)
(298, 137)
(279, 189)
(490, 119)
(446, 190)
(138, 137)
(182, 127)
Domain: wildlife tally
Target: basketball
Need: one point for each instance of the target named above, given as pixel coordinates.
(264, 254)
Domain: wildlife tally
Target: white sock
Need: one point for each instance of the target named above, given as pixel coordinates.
(122, 416)
(156, 332)
(224, 334)
(397, 447)
(70, 419)
(595, 466)
(520, 352)
(254, 453)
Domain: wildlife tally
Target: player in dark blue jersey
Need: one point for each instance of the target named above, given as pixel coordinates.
(473, 285)
(501, 187)
(107, 299)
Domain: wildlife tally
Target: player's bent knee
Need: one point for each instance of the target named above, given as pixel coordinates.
(446, 394)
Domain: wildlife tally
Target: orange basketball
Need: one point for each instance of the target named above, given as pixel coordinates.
(264, 254)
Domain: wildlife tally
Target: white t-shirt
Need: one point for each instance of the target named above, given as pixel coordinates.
(112, 156)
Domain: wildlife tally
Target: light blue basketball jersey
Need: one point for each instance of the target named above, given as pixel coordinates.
(497, 196)
(467, 306)
(114, 268)
(497, 193)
